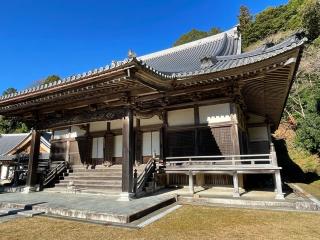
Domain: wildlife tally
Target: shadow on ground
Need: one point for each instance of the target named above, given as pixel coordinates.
(291, 172)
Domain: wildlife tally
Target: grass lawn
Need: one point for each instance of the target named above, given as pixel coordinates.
(188, 222)
(312, 188)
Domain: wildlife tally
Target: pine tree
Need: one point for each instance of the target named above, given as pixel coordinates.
(245, 18)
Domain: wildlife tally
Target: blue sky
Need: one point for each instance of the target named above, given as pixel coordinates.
(64, 37)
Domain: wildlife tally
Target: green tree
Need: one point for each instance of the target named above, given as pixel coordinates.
(50, 79)
(9, 91)
(47, 80)
(311, 18)
(244, 18)
(11, 125)
(195, 34)
(308, 131)
(214, 31)
(270, 21)
(190, 36)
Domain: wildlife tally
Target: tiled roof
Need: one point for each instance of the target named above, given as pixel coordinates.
(184, 58)
(9, 141)
(220, 63)
(212, 54)
(187, 57)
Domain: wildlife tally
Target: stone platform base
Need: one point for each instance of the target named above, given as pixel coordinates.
(86, 207)
(245, 203)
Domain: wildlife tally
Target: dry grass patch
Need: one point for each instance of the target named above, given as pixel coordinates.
(312, 188)
(188, 222)
(273, 38)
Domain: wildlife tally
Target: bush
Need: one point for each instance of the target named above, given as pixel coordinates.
(273, 20)
(308, 128)
(195, 34)
(311, 18)
(308, 133)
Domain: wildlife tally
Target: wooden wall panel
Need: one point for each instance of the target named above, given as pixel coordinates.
(223, 139)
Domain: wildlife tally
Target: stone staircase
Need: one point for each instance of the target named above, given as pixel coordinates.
(101, 180)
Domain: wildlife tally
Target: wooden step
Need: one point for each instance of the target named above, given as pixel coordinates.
(107, 170)
(92, 177)
(97, 174)
(91, 186)
(92, 182)
(108, 192)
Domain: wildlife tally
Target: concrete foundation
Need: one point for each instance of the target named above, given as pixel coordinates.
(86, 207)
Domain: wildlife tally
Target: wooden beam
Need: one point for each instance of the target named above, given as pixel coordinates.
(138, 142)
(32, 177)
(196, 133)
(234, 129)
(109, 143)
(127, 153)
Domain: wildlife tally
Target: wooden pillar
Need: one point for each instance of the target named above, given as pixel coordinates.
(235, 137)
(89, 160)
(196, 133)
(127, 157)
(138, 143)
(68, 151)
(108, 144)
(32, 176)
(162, 142)
(191, 185)
(234, 129)
(163, 137)
(235, 185)
(278, 183)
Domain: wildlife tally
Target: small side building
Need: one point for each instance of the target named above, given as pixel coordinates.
(15, 150)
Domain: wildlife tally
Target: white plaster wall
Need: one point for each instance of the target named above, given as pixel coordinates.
(258, 134)
(3, 172)
(61, 134)
(76, 131)
(181, 117)
(97, 147)
(150, 143)
(146, 144)
(98, 126)
(150, 121)
(156, 142)
(116, 124)
(215, 113)
(117, 148)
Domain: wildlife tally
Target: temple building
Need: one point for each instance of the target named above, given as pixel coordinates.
(204, 110)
